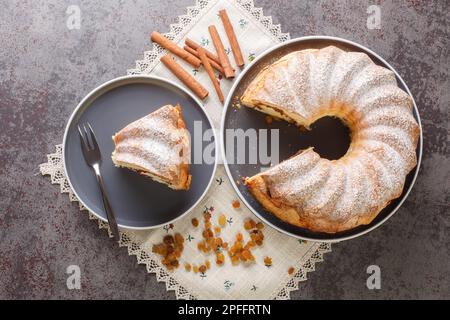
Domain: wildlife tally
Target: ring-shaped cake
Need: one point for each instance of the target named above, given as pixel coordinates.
(335, 195)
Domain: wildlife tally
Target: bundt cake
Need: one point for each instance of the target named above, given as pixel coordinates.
(335, 195)
(157, 146)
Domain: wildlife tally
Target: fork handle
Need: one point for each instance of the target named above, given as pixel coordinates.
(109, 211)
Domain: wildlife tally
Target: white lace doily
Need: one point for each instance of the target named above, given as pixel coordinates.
(226, 282)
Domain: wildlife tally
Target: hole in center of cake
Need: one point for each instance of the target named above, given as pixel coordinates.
(330, 137)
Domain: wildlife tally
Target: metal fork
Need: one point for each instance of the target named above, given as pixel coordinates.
(92, 156)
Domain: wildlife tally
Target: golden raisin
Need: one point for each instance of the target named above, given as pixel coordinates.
(206, 234)
(260, 234)
(159, 249)
(246, 254)
(179, 238)
(168, 239)
(217, 230)
(202, 268)
(225, 245)
(222, 220)
(220, 258)
(291, 270)
(247, 225)
(207, 264)
(187, 267)
(195, 268)
(260, 225)
(170, 250)
(194, 222)
(239, 237)
(268, 261)
(236, 204)
(207, 216)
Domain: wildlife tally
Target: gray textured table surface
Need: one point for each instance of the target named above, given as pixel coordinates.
(45, 69)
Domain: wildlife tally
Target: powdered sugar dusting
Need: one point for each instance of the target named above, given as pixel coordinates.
(154, 143)
(314, 83)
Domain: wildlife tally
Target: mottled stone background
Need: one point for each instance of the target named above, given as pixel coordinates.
(45, 69)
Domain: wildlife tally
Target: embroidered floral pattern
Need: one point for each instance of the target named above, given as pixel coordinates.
(243, 23)
(227, 285)
(204, 41)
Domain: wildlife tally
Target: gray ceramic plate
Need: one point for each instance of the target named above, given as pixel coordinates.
(138, 202)
(291, 140)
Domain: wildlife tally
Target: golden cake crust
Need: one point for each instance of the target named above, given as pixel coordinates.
(156, 146)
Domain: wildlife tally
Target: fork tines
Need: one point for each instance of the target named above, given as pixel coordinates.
(88, 137)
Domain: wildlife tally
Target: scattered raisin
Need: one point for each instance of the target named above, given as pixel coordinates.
(246, 254)
(218, 242)
(179, 238)
(207, 216)
(168, 239)
(236, 204)
(187, 267)
(194, 222)
(267, 261)
(220, 258)
(222, 220)
(247, 225)
(291, 270)
(170, 250)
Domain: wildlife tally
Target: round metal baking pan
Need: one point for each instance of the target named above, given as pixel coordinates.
(290, 138)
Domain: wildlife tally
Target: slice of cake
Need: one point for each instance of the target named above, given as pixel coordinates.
(157, 146)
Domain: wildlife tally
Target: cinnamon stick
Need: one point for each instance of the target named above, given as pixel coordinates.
(172, 47)
(235, 48)
(224, 61)
(214, 64)
(195, 46)
(206, 63)
(184, 76)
